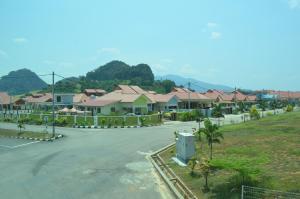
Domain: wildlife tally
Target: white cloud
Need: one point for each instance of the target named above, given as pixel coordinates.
(3, 53)
(294, 3)
(212, 24)
(215, 35)
(109, 50)
(20, 40)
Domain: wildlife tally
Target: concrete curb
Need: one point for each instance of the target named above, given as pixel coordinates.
(36, 139)
(112, 127)
(170, 182)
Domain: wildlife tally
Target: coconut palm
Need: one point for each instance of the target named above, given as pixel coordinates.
(212, 134)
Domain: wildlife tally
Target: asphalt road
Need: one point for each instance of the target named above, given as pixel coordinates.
(87, 163)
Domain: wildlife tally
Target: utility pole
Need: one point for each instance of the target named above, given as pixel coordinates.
(235, 98)
(189, 92)
(53, 114)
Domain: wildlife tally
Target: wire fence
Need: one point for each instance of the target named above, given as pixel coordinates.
(260, 193)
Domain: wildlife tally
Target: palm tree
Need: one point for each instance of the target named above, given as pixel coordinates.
(212, 134)
(21, 126)
(205, 170)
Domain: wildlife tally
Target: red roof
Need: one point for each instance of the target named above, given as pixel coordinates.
(98, 102)
(4, 98)
(46, 97)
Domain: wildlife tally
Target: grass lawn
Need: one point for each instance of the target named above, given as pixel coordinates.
(27, 134)
(270, 145)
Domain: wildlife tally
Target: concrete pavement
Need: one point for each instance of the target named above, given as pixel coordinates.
(87, 163)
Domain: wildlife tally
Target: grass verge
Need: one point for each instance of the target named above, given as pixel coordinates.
(25, 134)
(271, 146)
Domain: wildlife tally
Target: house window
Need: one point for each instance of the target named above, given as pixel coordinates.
(113, 109)
(58, 98)
(98, 110)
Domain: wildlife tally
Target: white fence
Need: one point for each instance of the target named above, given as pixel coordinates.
(235, 119)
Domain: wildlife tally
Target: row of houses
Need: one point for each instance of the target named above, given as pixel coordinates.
(130, 99)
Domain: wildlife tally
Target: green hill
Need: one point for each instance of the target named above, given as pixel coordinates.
(113, 73)
(21, 81)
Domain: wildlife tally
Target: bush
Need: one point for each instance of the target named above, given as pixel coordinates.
(61, 121)
(269, 114)
(7, 119)
(38, 121)
(217, 111)
(254, 114)
(116, 123)
(142, 120)
(167, 115)
(103, 123)
(189, 116)
(289, 108)
(109, 123)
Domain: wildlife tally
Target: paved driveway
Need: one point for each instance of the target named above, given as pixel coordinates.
(87, 163)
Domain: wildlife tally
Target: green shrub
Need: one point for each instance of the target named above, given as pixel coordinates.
(167, 115)
(38, 121)
(142, 120)
(289, 108)
(103, 123)
(269, 114)
(116, 123)
(109, 123)
(7, 119)
(61, 121)
(217, 111)
(254, 114)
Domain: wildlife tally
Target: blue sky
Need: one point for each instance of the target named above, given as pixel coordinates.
(249, 44)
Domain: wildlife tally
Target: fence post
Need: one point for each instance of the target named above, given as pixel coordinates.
(242, 194)
(138, 120)
(95, 120)
(75, 119)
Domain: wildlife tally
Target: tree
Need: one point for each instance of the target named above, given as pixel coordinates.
(205, 168)
(21, 125)
(217, 111)
(273, 105)
(212, 134)
(254, 114)
(242, 107)
(263, 105)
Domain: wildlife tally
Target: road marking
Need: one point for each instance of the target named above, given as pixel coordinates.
(5, 146)
(24, 144)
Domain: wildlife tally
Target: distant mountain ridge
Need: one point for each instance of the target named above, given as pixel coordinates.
(195, 84)
(21, 81)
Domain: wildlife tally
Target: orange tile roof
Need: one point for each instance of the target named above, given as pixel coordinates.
(4, 98)
(160, 97)
(80, 97)
(126, 98)
(46, 97)
(193, 96)
(97, 102)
